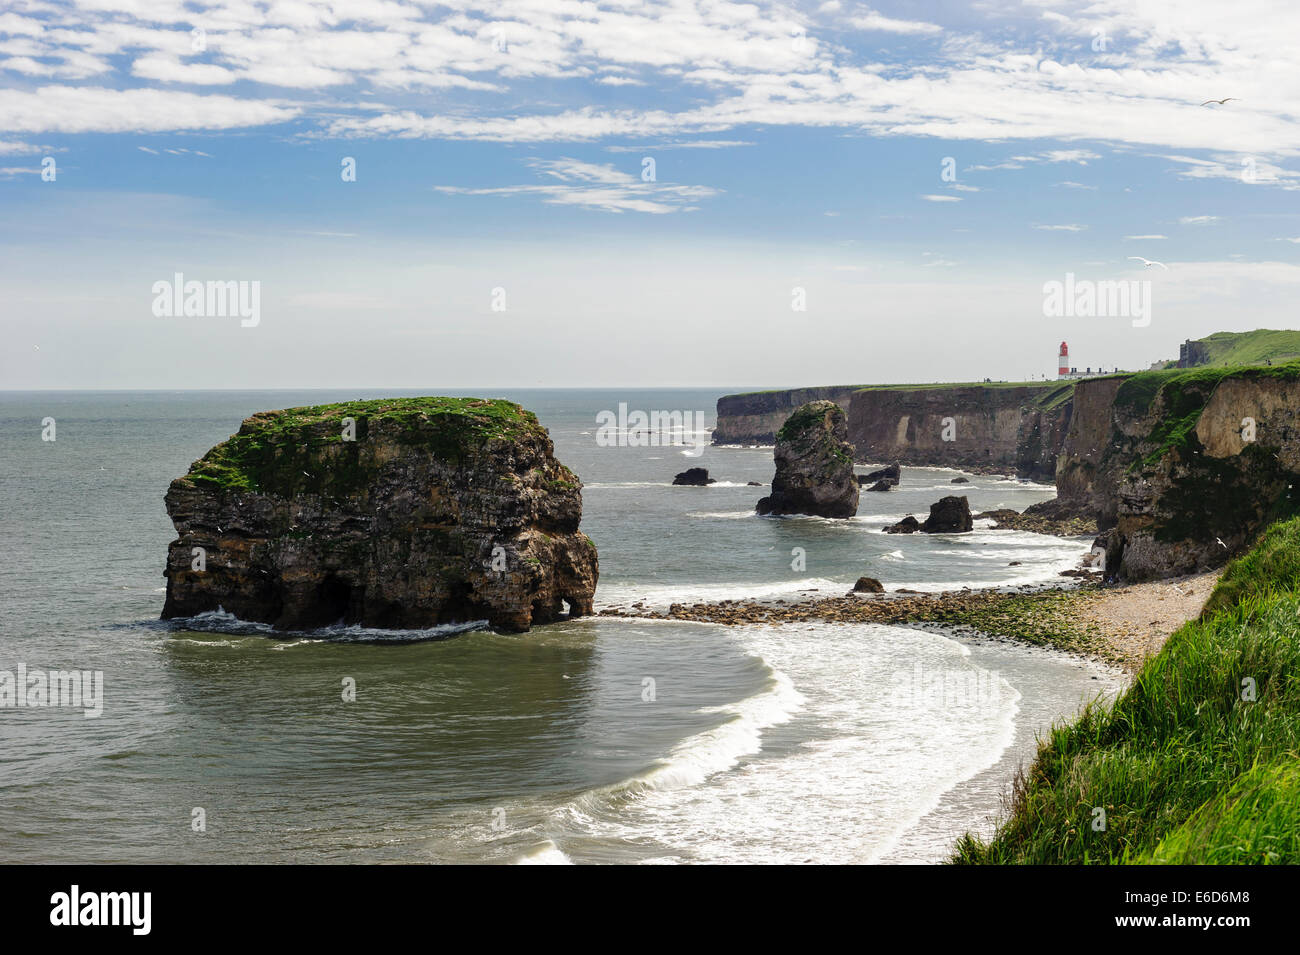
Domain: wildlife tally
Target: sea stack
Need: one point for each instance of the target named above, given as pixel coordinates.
(399, 513)
(814, 465)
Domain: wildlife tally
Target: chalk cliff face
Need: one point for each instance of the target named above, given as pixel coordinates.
(1193, 466)
(430, 511)
(975, 427)
(756, 418)
(1016, 428)
(814, 465)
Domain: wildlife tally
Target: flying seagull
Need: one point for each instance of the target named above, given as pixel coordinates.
(1219, 101)
(1148, 262)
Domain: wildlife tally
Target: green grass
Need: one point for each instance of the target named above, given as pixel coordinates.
(1185, 768)
(303, 450)
(1251, 348)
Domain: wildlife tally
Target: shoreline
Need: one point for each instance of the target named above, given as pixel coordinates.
(1121, 625)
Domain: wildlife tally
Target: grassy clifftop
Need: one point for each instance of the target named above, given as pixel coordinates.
(277, 448)
(1247, 348)
(1198, 761)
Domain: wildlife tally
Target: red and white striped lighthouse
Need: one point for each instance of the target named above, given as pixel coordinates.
(1063, 364)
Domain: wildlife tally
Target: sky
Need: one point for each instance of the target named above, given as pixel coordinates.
(562, 193)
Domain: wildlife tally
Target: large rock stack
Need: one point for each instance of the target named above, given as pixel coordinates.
(814, 465)
(396, 513)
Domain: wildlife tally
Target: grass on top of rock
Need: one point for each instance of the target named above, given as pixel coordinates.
(275, 448)
(1196, 762)
(804, 417)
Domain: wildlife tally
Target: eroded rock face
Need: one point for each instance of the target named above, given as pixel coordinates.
(814, 465)
(1192, 468)
(437, 510)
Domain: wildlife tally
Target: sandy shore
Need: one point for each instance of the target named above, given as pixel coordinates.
(1121, 625)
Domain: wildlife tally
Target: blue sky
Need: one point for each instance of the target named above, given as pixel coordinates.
(503, 146)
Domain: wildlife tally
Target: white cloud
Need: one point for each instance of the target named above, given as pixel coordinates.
(597, 187)
(708, 67)
(1146, 237)
(81, 109)
(1197, 220)
(685, 144)
(933, 198)
(1071, 227)
(871, 20)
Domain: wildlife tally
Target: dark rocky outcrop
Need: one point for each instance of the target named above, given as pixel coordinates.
(908, 525)
(868, 585)
(960, 480)
(893, 472)
(431, 511)
(948, 515)
(814, 465)
(693, 477)
(1049, 517)
(884, 484)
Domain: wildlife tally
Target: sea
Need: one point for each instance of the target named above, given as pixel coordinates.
(594, 740)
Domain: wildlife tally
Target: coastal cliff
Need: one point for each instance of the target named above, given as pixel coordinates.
(1000, 427)
(756, 417)
(1192, 465)
(975, 427)
(395, 513)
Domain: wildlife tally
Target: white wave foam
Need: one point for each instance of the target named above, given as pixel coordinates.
(548, 853)
(696, 758)
(219, 621)
(662, 596)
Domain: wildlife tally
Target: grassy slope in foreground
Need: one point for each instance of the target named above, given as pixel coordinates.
(1188, 771)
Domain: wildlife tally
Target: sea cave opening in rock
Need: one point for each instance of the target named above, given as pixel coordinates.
(333, 598)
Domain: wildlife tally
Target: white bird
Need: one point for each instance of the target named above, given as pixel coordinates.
(1147, 263)
(1219, 101)
(1221, 543)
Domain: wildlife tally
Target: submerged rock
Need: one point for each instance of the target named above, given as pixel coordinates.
(396, 513)
(908, 525)
(814, 465)
(883, 485)
(694, 477)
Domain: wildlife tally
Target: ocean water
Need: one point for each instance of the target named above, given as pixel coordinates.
(599, 740)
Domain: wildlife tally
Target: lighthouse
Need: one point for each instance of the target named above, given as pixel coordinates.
(1063, 363)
